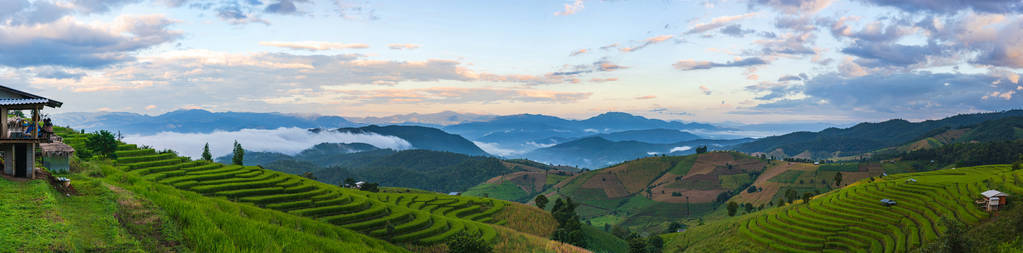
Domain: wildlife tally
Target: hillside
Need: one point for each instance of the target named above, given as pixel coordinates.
(597, 152)
(853, 219)
(529, 180)
(422, 169)
(864, 137)
(645, 194)
(421, 138)
(321, 211)
(655, 136)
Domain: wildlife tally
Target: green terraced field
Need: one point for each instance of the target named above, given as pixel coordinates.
(421, 218)
(853, 219)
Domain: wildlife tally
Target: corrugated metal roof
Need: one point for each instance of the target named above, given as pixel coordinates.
(992, 193)
(23, 101)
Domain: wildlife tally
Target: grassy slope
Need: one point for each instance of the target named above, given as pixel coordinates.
(215, 224)
(964, 182)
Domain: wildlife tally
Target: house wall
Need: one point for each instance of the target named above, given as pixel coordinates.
(8, 155)
(56, 163)
(30, 159)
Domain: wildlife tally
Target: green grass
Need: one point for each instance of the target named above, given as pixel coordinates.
(684, 164)
(787, 177)
(505, 190)
(600, 241)
(845, 167)
(853, 218)
(31, 221)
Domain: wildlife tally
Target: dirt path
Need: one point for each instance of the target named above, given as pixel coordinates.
(140, 218)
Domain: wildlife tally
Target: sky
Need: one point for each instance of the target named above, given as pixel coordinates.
(750, 61)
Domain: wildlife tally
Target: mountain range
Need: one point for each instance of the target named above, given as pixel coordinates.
(597, 152)
(864, 137)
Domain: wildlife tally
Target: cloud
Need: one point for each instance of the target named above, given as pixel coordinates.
(578, 52)
(58, 73)
(150, 107)
(570, 8)
(679, 149)
(794, 7)
(494, 148)
(98, 6)
(951, 7)
(647, 42)
(313, 45)
(603, 80)
(610, 46)
(403, 46)
(232, 13)
(355, 10)
(281, 7)
(903, 95)
(646, 97)
(67, 42)
(736, 31)
(284, 140)
(774, 90)
(717, 23)
(790, 78)
(662, 110)
(875, 54)
(686, 65)
(601, 65)
(430, 95)
(705, 90)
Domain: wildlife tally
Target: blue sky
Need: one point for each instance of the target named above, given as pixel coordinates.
(712, 61)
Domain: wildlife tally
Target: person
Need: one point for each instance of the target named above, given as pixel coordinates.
(47, 130)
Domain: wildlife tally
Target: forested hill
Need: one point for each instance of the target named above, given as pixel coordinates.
(864, 137)
(423, 169)
(421, 138)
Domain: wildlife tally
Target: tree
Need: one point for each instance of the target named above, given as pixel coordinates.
(674, 227)
(838, 179)
(701, 149)
(541, 201)
(790, 195)
(370, 187)
(206, 156)
(349, 182)
(620, 231)
(239, 154)
(732, 208)
(309, 175)
(1016, 165)
(463, 242)
(654, 244)
(569, 229)
(102, 143)
(806, 197)
(637, 245)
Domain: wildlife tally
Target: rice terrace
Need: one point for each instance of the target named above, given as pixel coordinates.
(551, 126)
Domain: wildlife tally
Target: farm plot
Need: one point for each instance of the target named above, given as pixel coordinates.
(396, 217)
(853, 218)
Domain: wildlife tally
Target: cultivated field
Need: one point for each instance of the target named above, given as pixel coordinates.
(423, 218)
(853, 219)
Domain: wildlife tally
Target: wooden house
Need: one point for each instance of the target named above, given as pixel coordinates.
(18, 139)
(993, 200)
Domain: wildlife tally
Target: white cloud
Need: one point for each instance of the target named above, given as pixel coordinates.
(570, 8)
(494, 148)
(313, 45)
(284, 140)
(679, 149)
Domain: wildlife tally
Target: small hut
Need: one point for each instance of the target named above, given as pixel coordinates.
(993, 200)
(56, 156)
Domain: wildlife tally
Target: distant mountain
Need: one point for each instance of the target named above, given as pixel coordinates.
(597, 152)
(194, 121)
(864, 137)
(429, 119)
(421, 138)
(656, 136)
(520, 132)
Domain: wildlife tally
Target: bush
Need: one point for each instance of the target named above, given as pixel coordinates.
(102, 143)
(463, 242)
